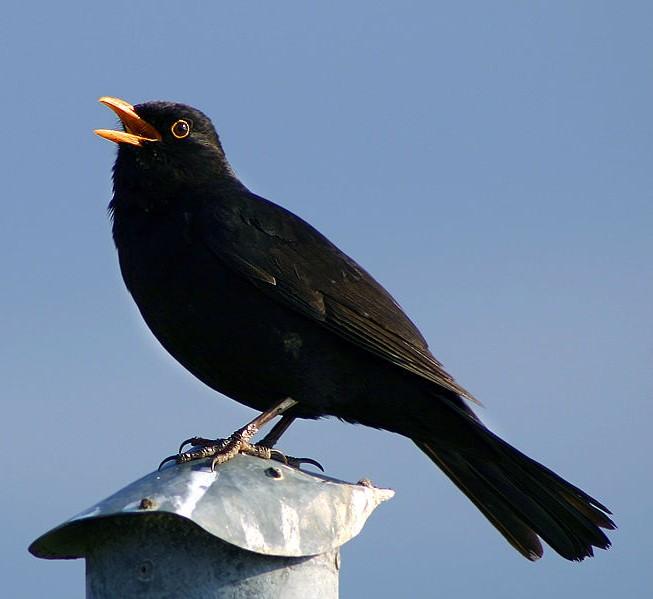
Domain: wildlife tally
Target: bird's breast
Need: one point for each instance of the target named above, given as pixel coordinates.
(212, 320)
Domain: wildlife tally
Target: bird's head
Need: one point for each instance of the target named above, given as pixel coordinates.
(163, 146)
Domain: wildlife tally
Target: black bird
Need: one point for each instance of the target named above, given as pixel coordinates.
(260, 306)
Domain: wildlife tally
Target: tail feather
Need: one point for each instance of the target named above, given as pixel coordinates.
(523, 499)
(493, 506)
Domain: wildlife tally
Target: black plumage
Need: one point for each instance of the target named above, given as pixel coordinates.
(260, 306)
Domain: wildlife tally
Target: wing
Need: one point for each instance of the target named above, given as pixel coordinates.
(296, 265)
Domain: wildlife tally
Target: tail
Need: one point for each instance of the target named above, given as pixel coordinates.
(523, 499)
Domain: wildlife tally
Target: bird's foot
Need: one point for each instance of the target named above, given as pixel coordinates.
(223, 450)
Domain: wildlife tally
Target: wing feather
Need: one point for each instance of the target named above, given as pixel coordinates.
(295, 264)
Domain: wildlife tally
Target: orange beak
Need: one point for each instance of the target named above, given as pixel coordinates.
(137, 131)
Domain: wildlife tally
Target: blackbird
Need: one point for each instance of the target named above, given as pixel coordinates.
(261, 307)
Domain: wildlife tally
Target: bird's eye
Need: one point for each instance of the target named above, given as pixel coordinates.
(180, 129)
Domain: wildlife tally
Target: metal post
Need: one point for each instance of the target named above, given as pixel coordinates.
(252, 528)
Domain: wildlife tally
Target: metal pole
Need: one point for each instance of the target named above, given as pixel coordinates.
(252, 528)
(137, 557)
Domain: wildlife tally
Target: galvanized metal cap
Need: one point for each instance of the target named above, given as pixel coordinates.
(258, 505)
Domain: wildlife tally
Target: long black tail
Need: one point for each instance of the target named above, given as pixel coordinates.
(524, 499)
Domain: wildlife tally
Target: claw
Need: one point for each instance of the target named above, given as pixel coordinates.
(300, 461)
(170, 458)
(293, 462)
(198, 442)
(188, 441)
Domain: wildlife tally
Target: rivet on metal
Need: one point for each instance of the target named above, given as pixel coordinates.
(145, 570)
(274, 473)
(146, 504)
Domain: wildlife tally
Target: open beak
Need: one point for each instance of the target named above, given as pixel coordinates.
(137, 131)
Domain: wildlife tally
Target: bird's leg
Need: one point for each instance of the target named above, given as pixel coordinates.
(271, 439)
(222, 450)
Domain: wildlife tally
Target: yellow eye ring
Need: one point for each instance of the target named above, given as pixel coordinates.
(180, 129)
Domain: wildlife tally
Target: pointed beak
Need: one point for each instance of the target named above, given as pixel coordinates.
(137, 131)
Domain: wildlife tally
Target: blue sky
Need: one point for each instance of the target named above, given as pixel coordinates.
(489, 163)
